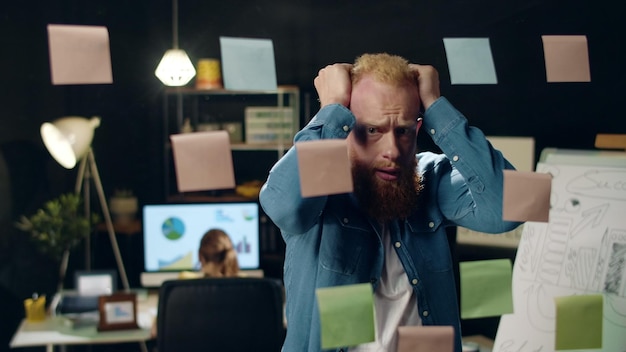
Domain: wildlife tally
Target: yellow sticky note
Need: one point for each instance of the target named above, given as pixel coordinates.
(486, 288)
(578, 322)
(346, 315)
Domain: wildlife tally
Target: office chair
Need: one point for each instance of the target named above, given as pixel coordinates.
(220, 314)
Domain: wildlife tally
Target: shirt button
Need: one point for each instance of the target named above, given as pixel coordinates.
(432, 131)
(431, 224)
(345, 220)
(425, 313)
(455, 158)
(414, 281)
(346, 128)
(398, 244)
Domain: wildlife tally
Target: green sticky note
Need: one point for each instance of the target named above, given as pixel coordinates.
(346, 315)
(578, 322)
(486, 288)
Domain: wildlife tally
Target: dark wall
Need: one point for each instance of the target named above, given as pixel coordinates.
(308, 35)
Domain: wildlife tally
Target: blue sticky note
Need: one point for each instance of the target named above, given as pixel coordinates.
(248, 64)
(470, 61)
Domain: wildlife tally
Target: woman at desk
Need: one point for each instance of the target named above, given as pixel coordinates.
(217, 256)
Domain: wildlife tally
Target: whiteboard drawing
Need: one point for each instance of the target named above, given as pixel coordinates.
(581, 250)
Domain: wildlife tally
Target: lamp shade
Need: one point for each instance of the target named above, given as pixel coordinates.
(68, 139)
(175, 68)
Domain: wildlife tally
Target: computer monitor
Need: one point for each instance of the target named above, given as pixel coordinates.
(172, 233)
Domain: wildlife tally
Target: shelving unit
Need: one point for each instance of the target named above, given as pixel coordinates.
(217, 106)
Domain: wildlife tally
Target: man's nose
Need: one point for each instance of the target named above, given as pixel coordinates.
(390, 147)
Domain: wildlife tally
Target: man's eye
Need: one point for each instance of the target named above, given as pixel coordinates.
(403, 131)
(371, 130)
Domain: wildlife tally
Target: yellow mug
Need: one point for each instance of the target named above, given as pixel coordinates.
(209, 74)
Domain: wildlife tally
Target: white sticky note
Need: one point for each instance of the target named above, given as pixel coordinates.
(248, 64)
(470, 61)
(79, 54)
(203, 161)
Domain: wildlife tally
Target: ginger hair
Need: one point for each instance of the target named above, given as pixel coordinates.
(386, 68)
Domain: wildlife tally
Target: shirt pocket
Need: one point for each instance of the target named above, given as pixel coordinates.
(342, 245)
(431, 244)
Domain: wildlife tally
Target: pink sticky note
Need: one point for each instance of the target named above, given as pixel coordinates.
(526, 196)
(566, 58)
(203, 161)
(324, 167)
(425, 338)
(79, 54)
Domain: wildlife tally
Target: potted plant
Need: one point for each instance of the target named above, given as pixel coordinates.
(58, 227)
(123, 205)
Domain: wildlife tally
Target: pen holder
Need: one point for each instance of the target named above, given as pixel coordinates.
(35, 309)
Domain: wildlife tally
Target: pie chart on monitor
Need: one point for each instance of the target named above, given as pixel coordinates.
(173, 228)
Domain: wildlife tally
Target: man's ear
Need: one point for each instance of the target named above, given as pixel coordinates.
(420, 120)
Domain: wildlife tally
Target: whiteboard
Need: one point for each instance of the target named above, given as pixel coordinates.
(581, 250)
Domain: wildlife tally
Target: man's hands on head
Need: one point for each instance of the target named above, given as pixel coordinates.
(334, 85)
(427, 83)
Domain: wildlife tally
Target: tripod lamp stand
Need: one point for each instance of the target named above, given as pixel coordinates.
(68, 140)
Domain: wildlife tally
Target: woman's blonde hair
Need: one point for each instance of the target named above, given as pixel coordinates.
(386, 68)
(217, 255)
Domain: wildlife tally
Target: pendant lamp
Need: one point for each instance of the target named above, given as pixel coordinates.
(175, 68)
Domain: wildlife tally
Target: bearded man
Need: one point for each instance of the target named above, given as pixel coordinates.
(390, 231)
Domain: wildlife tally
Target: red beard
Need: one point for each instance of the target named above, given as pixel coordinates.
(387, 200)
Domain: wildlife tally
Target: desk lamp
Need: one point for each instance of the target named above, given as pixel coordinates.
(68, 140)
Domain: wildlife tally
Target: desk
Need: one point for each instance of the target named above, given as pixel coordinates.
(53, 331)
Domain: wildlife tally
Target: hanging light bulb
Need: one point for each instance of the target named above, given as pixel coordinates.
(175, 68)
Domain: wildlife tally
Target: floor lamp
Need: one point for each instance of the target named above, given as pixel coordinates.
(68, 140)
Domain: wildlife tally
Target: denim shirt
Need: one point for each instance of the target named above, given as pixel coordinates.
(331, 242)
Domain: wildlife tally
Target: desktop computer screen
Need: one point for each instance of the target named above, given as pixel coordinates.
(172, 233)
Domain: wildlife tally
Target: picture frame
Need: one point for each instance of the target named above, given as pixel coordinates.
(118, 311)
(95, 282)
